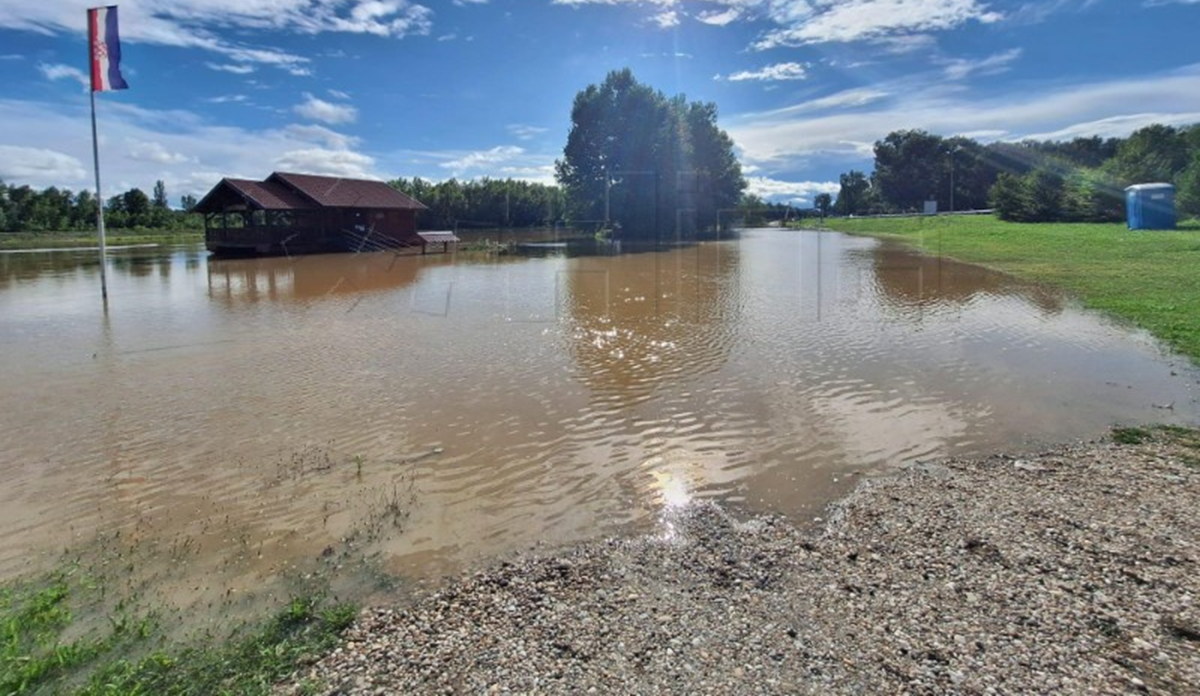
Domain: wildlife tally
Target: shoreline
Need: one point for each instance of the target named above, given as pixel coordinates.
(1072, 570)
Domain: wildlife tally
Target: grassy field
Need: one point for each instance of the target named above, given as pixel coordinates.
(10, 241)
(1151, 279)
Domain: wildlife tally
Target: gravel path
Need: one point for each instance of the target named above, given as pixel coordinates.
(1073, 571)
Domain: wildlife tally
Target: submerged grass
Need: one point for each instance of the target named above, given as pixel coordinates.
(1150, 278)
(46, 646)
(12, 241)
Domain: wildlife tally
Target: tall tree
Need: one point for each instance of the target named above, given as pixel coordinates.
(851, 197)
(653, 165)
(823, 202)
(160, 195)
(909, 168)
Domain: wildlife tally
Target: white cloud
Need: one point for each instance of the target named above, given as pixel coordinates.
(227, 99)
(64, 72)
(801, 192)
(321, 135)
(779, 71)
(666, 20)
(537, 174)
(194, 23)
(524, 132)
(32, 164)
(325, 161)
(961, 68)
(719, 18)
(151, 151)
(236, 69)
(321, 110)
(481, 159)
(1118, 126)
(825, 21)
(338, 94)
(138, 146)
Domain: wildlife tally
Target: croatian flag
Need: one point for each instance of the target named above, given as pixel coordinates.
(105, 49)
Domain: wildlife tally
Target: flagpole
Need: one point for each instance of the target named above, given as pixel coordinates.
(99, 203)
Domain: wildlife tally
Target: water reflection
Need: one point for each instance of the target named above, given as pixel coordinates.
(640, 321)
(910, 280)
(303, 278)
(519, 399)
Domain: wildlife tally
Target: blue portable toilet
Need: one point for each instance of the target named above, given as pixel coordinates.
(1150, 207)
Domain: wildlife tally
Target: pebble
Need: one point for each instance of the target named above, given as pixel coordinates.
(1073, 571)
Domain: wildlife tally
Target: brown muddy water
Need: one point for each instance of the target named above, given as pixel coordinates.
(409, 416)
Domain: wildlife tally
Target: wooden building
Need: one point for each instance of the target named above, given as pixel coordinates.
(304, 214)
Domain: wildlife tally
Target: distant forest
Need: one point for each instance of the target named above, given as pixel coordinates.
(1080, 180)
(24, 209)
(484, 203)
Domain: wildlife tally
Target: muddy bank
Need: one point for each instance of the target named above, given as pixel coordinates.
(1069, 571)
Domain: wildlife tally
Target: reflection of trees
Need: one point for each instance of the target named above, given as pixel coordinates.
(640, 319)
(132, 262)
(909, 279)
(307, 277)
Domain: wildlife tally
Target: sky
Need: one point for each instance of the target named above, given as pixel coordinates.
(471, 88)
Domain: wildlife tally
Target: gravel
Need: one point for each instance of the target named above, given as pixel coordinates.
(1070, 571)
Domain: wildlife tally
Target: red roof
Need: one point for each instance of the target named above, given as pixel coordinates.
(282, 191)
(268, 195)
(334, 192)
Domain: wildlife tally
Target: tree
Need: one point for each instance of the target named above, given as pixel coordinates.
(160, 195)
(647, 163)
(136, 205)
(1156, 153)
(1008, 197)
(852, 194)
(83, 215)
(909, 168)
(187, 202)
(1187, 193)
(823, 202)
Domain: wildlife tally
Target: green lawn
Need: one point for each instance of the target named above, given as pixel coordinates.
(1150, 278)
(59, 240)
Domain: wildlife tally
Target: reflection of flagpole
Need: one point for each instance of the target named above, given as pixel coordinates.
(99, 203)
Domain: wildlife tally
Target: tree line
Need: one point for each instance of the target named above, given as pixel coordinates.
(1078, 180)
(484, 203)
(25, 209)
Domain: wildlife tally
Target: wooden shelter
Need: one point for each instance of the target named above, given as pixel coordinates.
(305, 213)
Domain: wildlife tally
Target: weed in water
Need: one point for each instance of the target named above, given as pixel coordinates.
(1130, 436)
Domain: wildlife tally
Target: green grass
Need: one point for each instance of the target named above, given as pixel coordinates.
(1131, 436)
(10, 241)
(46, 646)
(1149, 278)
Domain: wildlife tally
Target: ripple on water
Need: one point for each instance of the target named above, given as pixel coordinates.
(273, 409)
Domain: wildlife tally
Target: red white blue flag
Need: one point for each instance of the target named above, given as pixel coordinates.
(105, 49)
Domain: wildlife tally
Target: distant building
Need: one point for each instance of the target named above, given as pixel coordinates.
(304, 214)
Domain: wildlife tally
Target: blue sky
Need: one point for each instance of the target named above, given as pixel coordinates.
(469, 88)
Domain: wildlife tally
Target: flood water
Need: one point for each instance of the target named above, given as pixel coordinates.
(438, 411)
